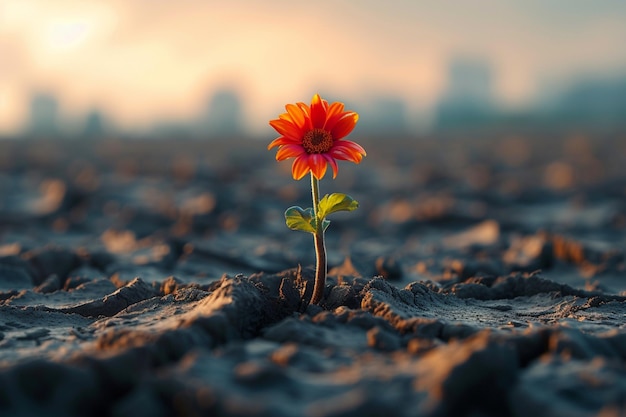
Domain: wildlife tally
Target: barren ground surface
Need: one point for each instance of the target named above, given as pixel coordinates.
(479, 277)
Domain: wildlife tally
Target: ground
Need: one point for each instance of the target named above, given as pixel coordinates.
(482, 275)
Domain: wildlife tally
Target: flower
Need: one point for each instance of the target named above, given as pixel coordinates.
(314, 136)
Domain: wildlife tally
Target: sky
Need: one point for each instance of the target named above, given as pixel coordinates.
(144, 61)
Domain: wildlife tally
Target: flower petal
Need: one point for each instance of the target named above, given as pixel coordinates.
(341, 154)
(300, 167)
(333, 164)
(287, 129)
(289, 151)
(308, 125)
(332, 120)
(344, 126)
(305, 109)
(318, 164)
(333, 114)
(297, 116)
(318, 112)
(282, 141)
(347, 151)
(355, 147)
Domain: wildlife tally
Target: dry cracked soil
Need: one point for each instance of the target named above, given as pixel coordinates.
(481, 276)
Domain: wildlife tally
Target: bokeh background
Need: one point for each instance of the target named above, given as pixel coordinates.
(197, 68)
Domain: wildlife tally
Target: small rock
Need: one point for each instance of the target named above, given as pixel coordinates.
(389, 268)
(52, 260)
(14, 278)
(50, 284)
(170, 285)
(34, 334)
(384, 340)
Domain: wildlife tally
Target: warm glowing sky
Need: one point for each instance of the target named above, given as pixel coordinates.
(141, 60)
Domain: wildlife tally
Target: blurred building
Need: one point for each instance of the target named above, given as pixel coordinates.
(95, 125)
(593, 102)
(468, 99)
(43, 115)
(383, 115)
(174, 129)
(223, 116)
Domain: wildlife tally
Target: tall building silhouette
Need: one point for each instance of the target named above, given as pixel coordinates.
(384, 115)
(595, 102)
(468, 98)
(43, 115)
(94, 126)
(223, 116)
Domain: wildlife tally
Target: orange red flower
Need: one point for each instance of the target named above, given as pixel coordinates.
(314, 136)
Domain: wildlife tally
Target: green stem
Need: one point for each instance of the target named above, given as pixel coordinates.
(320, 248)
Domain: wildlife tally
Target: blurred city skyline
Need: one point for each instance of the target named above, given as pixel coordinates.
(194, 66)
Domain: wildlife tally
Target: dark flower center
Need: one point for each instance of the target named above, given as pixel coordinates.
(317, 141)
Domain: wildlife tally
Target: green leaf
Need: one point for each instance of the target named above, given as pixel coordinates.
(301, 219)
(336, 202)
(325, 224)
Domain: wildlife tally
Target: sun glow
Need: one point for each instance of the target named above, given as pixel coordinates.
(145, 61)
(67, 34)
